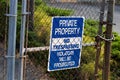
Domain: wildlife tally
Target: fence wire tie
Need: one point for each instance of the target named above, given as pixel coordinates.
(9, 56)
(11, 15)
(26, 13)
(105, 39)
(101, 12)
(96, 75)
(104, 23)
(23, 56)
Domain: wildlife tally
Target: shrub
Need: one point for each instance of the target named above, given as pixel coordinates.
(42, 21)
(2, 19)
(57, 12)
(115, 58)
(91, 27)
(42, 30)
(116, 47)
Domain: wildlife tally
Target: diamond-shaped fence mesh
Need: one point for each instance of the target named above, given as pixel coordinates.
(40, 19)
(39, 35)
(2, 62)
(45, 10)
(38, 39)
(2, 40)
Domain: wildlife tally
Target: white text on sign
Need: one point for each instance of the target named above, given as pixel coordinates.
(68, 23)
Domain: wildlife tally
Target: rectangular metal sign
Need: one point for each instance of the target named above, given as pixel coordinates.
(65, 43)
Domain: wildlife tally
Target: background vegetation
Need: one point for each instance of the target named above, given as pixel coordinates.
(86, 71)
(2, 19)
(39, 36)
(117, 1)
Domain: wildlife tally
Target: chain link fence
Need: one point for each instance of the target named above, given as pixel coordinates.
(38, 39)
(2, 40)
(39, 35)
(2, 62)
(89, 9)
(39, 26)
(35, 66)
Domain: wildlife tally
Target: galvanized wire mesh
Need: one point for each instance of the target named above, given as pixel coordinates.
(44, 10)
(39, 34)
(2, 62)
(3, 35)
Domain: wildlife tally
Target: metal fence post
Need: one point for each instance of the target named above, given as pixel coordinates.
(108, 41)
(11, 40)
(98, 40)
(22, 35)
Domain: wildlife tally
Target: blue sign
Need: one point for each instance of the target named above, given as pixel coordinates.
(65, 43)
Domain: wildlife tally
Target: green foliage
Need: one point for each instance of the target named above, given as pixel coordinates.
(72, 74)
(18, 25)
(87, 70)
(38, 2)
(42, 18)
(40, 37)
(91, 27)
(34, 40)
(40, 58)
(116, 47)
(88, 55)
(2, 19)
(84, 72)
(57, 12)
(115, 62)
(42, 31)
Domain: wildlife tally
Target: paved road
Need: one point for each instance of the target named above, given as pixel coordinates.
(89, 11)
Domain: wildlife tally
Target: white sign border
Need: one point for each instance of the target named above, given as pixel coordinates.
(51, 42)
